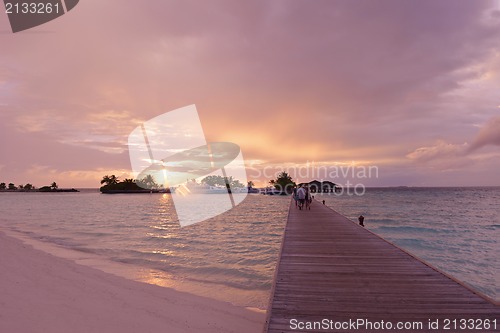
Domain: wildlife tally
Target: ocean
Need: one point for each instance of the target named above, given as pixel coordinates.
(232, 257)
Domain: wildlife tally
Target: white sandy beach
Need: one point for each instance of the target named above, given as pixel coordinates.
(40, 292)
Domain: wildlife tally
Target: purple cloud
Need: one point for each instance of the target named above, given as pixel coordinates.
(488, 135)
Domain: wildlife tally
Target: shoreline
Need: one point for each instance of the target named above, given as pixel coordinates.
(39, 288)
(143, 274)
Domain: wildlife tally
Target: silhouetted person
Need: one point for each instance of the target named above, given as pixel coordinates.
(295, 196)
(323, 202)
(301, 194)
(361, 220)
(308, 199)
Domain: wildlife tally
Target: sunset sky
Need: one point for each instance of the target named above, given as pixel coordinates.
(412, 87)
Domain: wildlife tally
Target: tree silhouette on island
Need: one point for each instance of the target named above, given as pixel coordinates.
(221, 181)
(283, 183)
(55, 188)
(11, 187)
(111, 184)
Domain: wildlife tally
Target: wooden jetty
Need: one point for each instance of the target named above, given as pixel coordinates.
(333, 272)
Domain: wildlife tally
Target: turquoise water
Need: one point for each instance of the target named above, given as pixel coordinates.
(233, 256)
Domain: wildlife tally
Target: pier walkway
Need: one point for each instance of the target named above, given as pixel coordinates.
(332, 273)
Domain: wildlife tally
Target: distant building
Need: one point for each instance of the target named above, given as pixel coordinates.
(325, 186)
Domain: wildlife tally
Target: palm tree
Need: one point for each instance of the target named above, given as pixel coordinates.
(54, 185)
(283, 182)
(148, 182)
(250, 184)
(108, 180)
(129, 183)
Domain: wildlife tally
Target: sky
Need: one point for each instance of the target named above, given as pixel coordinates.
(410, 88)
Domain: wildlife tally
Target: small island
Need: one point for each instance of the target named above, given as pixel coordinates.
(12, 188)
(111, 185)
(209, 185)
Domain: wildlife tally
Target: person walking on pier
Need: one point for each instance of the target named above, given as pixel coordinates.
(301, 194)
(361, 220)
(308, 199)
(295, 197)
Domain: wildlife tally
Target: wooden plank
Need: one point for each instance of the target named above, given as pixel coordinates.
(331, 268)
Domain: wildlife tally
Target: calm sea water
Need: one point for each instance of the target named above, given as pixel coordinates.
(233, 256)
